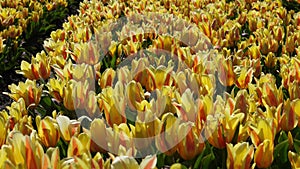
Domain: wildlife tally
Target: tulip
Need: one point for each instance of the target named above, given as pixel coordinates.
(254, 52)
(290, 44)
(48, 131)
(294, 159)
(79, 145)
(288, 120)
(3, 128)
(114, 106)
(120, 140)
(220, 128)
(98, 136)
(270, 60)
(67, 127)
(192, 142)
(39, 67)
(225, 73)
(271, 95)
(166, 141)
(53, 154)
(17, 109)
(124, 162)
(29, 91)
(135, 96)
(68, 95)
(244, 79)
(239, 156)
(263, 156)
(262, 131)
(107, 78)
(87, 53)
(56, 88)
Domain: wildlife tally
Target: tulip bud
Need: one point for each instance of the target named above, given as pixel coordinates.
(225, 72)
(263, 156)
(48, 131)
(288, 120)
(239, 156)
(192, 144)
(294, 159)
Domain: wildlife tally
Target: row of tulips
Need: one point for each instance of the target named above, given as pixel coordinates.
(16, 15)
(206, 83)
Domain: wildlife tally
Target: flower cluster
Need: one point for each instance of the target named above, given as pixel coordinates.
(16, 15)
(211, 83)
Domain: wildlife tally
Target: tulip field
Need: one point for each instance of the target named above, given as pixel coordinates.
(142, 84)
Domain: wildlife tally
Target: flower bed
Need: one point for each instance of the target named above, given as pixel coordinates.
(145, 84)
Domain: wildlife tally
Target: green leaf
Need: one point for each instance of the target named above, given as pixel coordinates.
(282, 137)
(297, 145)
(206, 151)
(281, 151)
(207, 161)
(160, 160)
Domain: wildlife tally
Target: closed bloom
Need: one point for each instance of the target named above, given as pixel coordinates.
(263, 156)
(67, 127)
(288, 120)
(191, 144)
(239, 156)
(294, 159)
(244, 79)
(48, 131)
(225, 73)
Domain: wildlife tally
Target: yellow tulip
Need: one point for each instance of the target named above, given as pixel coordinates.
(67, 127)
(87, 53)
(294, 159)
(254, 52)
(53, 154)
(3, 128)
(220, 128)
(263, 156)
(124, 162)
(271, 96)
(290, 44)
(56, 88)
(146, 127)
(167, 140)
(244, 79)
(17, 109)
(29, 91)
(226, 75)
(239, 156)
(107, 78)
(68, 95)
(48, 131)
(191, 144)
(288, 120)
(98, 136)
(135, 96)
(120, 140)
(79, 145)
(114, 105)
(262, 131)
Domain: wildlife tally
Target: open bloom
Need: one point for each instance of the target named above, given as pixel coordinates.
(29, 91)
(38, 68)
